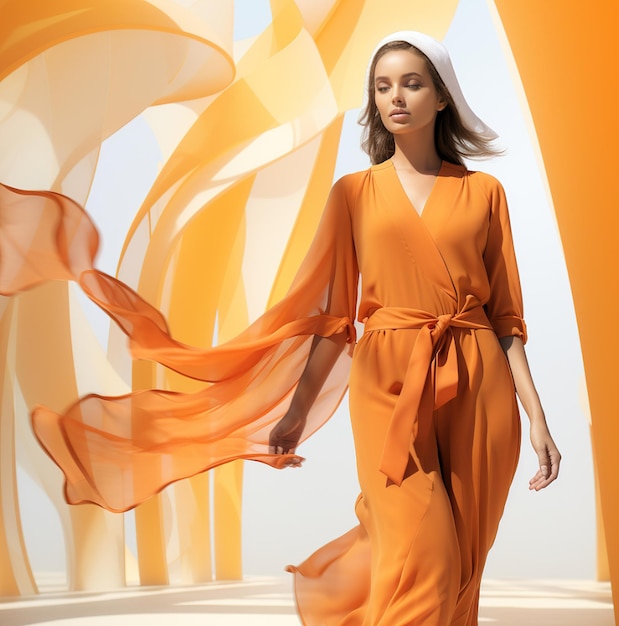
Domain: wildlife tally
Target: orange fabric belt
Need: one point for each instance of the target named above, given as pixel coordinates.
(434, 351)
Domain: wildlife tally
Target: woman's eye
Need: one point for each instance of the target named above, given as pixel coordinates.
(413, 86)
(382, 88)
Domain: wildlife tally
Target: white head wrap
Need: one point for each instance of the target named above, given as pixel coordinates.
(438, 55)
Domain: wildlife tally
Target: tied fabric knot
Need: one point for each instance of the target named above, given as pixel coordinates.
(434, 353)
(445, 370)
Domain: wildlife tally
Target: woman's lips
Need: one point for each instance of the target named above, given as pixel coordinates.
(398, 115)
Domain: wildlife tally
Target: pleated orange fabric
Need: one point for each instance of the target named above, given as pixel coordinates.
(432, 401)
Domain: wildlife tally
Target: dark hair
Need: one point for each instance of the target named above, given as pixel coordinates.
(453, 140)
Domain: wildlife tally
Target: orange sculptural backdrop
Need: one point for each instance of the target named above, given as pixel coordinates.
(73, 72)
(556, 44)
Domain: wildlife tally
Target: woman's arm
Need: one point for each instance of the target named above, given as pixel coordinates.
(543, 444)
(323, 355)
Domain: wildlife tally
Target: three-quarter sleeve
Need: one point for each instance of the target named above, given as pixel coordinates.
(504, 306)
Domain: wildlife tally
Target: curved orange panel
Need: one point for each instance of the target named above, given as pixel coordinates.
(566, 54)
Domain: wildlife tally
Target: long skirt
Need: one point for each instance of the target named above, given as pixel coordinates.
(418, 554)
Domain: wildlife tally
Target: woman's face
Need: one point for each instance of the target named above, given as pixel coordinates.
(404, 92)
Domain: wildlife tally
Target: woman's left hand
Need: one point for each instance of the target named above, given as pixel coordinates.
(548, 455)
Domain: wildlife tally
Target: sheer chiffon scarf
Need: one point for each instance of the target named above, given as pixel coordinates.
(118, 451)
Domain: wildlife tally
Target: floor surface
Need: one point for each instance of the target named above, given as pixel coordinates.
(268, 602)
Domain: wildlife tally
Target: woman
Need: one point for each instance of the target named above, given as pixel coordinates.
(432, 380)
(432, 402)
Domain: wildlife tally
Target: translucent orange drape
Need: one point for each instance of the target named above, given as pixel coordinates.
(117, 452)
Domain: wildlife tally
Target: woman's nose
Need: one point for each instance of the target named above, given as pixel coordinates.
(396, 96)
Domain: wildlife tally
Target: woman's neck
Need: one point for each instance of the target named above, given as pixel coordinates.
(415, 152)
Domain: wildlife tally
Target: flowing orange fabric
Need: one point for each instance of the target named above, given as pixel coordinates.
(441, 287)
(117, 452)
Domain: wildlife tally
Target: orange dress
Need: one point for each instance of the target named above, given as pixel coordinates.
(432, 403)
(432, 400)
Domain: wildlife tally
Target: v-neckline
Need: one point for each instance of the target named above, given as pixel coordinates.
(416, 234)
(420, 213)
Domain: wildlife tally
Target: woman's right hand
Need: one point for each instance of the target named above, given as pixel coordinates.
(284, 438)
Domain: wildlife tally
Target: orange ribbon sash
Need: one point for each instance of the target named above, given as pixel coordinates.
(434, 347)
